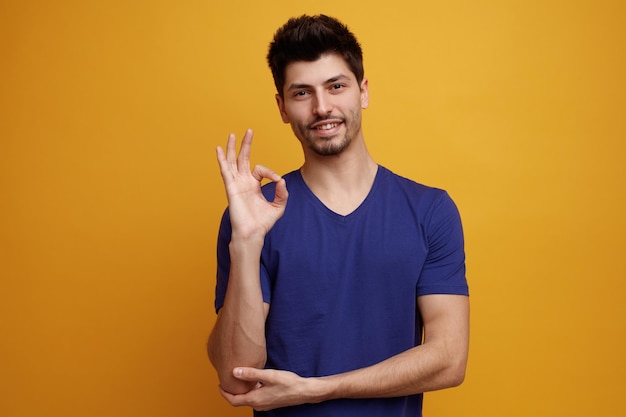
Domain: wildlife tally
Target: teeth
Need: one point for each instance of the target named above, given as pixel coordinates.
(326, 126)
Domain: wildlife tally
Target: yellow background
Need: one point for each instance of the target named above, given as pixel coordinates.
(110, 195)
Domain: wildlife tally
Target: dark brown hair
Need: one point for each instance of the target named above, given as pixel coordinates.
(307, 38)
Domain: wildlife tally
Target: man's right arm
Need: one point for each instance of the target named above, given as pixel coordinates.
(238, 337)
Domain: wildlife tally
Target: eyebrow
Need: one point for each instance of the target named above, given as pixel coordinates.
(296, 86)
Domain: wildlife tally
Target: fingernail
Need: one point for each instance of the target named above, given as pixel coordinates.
(238, 371)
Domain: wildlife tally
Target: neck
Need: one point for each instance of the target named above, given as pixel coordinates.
(341, 181)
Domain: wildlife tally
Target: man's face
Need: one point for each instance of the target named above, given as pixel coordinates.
(322, 102)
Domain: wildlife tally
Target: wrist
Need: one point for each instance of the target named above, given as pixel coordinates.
(246, 243)
(322, 389)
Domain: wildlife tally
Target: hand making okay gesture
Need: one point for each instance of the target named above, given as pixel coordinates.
(251, 214)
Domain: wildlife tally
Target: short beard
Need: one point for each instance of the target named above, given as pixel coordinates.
(328, 147)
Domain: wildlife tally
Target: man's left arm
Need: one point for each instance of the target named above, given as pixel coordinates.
(438, 363)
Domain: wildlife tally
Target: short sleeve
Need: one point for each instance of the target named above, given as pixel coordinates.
(444, 267)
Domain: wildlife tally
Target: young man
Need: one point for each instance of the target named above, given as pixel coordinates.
(341, 286)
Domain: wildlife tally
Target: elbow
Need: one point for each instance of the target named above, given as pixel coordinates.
(231, 384)
(235, 387)
(224, 365)
(455, 367)
(456, 377)
(455, 374)
(450, 372)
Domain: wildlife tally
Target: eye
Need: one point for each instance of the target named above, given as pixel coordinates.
(336, 88)
(300, 93)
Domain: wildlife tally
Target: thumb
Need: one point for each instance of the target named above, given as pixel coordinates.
(281, 194)
(247, 374)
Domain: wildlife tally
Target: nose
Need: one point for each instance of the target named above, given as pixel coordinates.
(322, 106)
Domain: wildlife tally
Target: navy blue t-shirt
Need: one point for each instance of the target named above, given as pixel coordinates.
(343, 289)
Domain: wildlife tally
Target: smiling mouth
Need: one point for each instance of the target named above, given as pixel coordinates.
(327, 123)
(326, 126)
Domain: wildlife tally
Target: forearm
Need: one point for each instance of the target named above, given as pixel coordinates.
(238, 337)
(420, 369)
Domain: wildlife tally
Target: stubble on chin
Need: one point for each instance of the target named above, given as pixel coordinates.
(329, 146)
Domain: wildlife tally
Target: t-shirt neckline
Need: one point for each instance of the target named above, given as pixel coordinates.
(340, 217)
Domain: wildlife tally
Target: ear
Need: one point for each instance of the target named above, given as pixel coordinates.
(281, 108)
(365, 94)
